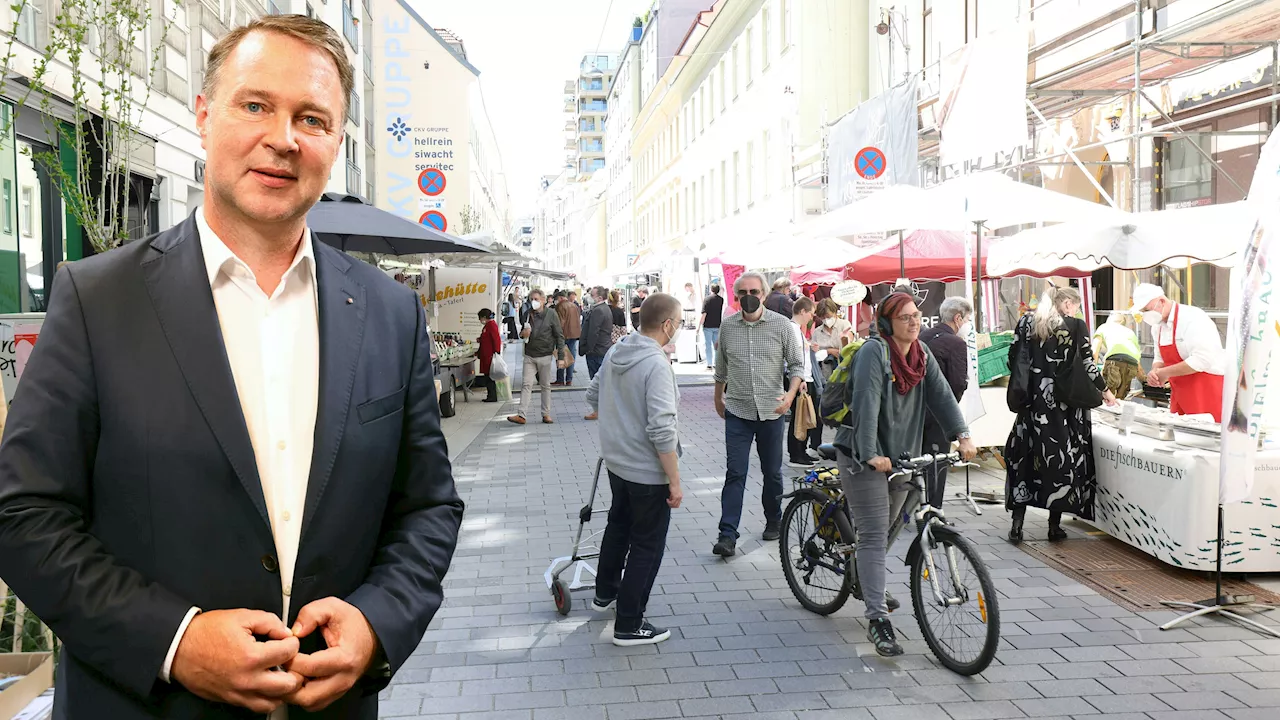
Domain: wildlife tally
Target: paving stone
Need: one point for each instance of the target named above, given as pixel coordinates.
(743, 648)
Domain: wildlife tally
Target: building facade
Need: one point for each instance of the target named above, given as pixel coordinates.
(586, 106)
(624, 102)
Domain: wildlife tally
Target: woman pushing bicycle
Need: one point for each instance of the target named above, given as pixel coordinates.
(893, 380)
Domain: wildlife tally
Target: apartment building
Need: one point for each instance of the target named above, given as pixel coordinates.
(624, 102)
(166, 162)
(586, 105)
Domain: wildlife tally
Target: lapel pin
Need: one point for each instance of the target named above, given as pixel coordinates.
(350, 301)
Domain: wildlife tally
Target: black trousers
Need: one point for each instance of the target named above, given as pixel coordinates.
(795, 448)
(634, 540)
(511, 328)
(935, 483)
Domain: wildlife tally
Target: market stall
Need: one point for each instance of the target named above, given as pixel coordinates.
(1158, 490)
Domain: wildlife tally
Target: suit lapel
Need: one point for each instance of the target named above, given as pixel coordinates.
(178, 284)
(341, 302)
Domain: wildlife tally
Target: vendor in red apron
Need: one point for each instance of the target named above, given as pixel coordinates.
(1189, 354)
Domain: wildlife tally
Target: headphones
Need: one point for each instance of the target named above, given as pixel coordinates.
(885, 325)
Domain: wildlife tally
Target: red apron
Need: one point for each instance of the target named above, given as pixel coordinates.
(1190, 394)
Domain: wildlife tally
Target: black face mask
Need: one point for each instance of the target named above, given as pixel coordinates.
(750, 304)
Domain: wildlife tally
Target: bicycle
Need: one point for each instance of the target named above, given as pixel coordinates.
(818, 539)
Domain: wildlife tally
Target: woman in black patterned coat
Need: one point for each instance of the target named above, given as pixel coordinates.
(1049, 454)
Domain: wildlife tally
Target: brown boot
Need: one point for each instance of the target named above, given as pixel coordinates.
(592, 416)
(546, 420)
(516, 419)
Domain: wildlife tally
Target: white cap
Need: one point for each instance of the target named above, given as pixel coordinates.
(1144, 294)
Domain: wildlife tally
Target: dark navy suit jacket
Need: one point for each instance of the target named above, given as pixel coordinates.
(129, 490)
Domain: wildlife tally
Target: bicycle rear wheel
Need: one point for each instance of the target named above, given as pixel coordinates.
(963, 635)
(816, 572)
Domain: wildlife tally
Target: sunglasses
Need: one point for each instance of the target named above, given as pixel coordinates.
(744, 293)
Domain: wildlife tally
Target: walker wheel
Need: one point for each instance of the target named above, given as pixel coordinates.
(563, 599)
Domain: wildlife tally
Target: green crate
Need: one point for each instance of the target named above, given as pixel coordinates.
(992, 365)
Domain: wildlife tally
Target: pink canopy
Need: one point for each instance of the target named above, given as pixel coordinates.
(930, 255)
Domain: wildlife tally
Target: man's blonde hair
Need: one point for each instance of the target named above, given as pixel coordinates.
(300, 27)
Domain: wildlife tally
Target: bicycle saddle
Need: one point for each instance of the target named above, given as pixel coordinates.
(827, 451)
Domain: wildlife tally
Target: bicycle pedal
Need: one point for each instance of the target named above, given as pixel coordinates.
(844, 548)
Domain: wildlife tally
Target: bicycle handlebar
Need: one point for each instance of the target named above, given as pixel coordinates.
(906, 468)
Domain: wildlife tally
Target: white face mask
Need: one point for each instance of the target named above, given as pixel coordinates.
(829, 322)
(675, 333)
(965, 329)
(1152, 318)
(536, 304)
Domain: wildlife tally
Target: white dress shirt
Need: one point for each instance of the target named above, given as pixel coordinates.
(1198, 340)
(273, 345)
(804, 353)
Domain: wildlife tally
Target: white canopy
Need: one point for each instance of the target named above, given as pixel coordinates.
(990, 198)
(1133, 242)
(784, 250)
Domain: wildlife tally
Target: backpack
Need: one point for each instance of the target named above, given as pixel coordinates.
(832, 408)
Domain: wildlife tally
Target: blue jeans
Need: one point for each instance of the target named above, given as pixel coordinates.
(712, 336)
(738, 434)
(565, 375)
(634, 540)
(593, 365)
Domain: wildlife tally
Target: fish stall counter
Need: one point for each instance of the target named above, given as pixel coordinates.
(1158, 491)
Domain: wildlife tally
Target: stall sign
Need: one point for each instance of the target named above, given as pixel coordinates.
(17, 340)
(848, 292)
(460, 294)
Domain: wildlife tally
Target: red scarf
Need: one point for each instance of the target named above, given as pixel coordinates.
(908, 371)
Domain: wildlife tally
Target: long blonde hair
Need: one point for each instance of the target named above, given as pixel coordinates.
(1048, 316)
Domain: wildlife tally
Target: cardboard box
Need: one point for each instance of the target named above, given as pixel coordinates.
(38, 670)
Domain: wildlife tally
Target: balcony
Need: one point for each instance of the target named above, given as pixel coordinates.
(592, 146)
(587, 125)
(350, 27)
(591, 85)
(370, 189)
(569, 106)
(593, 106)
(570, 144)
(353, 109)
(568, 87)
(569, 126)
(354, 186)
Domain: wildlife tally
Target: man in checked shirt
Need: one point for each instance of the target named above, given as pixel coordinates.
(756, 346)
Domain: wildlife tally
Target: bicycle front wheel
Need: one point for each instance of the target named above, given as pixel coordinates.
(965, 631)
(816, 571)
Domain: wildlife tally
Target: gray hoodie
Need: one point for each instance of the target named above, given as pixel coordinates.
(635, 389)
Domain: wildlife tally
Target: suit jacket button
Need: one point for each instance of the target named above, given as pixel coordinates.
(269, 563)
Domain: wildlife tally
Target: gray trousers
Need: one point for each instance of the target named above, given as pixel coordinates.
(544, 369)
(867, 492)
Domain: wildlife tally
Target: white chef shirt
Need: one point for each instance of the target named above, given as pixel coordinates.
(273, 345)
(1198, 340)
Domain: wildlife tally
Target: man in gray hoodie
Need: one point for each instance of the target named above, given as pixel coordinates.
(636, 398)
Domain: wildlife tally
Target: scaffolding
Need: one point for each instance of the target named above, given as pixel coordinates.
(1152, 56)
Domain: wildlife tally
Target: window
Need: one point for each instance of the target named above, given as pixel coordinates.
(751, 172)
(8, 206)
(784, 23)
(926, 46)
(724, 87)
(735, 71)
(767, 176)
(1188, 176)
(702, 201)
(711, 96)
(764, 37)
(702, 113)
(737, 183)
(712, 207)
(746, 51)
(28, 220)
(693, 207)
(311, 12)
(724, 189)
(26, 32)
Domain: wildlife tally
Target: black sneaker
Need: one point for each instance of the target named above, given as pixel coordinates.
(725, 546)
(881, 633)
(770, 530)
(646, 634)
(801, 463)
(891, 602)
(601, 605)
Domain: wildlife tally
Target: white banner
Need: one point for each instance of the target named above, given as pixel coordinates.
(982, 106)
(1251, 331)
(874, 146)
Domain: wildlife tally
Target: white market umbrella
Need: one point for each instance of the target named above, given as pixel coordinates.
(997, 201)
(785, 250)
(896, 207)
(1133, 241)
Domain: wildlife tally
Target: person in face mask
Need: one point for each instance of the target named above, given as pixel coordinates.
(830, 333)
(1189, 353)
(757, 346)
(949, 342)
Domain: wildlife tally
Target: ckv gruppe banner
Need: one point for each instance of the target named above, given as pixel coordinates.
(1252, 330)
(874, 146)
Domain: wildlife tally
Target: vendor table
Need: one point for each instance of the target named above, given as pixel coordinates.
(1163, 500)
(455, 373)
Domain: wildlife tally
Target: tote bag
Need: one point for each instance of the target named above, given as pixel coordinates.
(498, 368)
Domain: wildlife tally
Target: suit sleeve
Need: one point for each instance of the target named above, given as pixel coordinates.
(108, 614)
(955, 367)
(402, 590)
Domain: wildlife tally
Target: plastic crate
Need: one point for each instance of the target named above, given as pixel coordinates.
(992, 365)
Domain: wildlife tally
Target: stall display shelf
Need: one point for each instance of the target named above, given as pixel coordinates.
(1160, 495)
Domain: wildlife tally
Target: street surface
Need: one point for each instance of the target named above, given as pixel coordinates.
(741, 646)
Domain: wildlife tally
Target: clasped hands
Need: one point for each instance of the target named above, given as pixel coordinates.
(220, 659)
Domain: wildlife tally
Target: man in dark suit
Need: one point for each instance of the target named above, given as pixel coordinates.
(223, 483)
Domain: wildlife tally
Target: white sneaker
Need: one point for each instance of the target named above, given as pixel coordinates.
(813, 454)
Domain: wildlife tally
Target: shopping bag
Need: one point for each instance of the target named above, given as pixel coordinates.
(806, 417)
(498, 368)
(504, 388)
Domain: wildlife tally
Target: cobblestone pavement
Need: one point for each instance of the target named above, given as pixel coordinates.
(743, 648)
